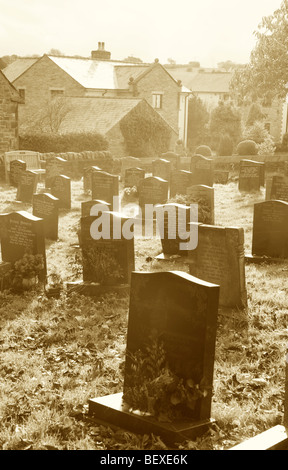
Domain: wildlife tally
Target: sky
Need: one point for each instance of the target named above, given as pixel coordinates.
(207, 31)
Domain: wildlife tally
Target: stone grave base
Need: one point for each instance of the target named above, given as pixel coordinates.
(111, 410)
(92, 289)
(275, 438)
(253, 259)
(166, 257)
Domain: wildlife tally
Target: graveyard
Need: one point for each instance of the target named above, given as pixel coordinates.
(62, 355)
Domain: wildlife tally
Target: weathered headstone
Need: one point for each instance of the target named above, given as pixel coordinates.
(61, 188)
(87, 177)
(27, 186)
(270, 229)
(16, 168)
(219, 258)
(87, 205)
(279, 188)
(21, 233)
(161, 168)
(204, 197)
(202, 169)
(129, 162)
(46, 207)
(251, 175)
(107, 260)
(105, 187)
(174, 158)
(221, 176)
(180, 180)
(174, 314)
(153, 190)
(133, 177)
(173, 225)
(55, 166)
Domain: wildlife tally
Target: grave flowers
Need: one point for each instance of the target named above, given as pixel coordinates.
(26, 271)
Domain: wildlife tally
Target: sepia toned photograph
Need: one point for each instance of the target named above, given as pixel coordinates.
(143, 228)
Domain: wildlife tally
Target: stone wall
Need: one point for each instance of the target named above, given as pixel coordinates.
(8, 117)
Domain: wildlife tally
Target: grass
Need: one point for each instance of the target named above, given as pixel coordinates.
(55, 354)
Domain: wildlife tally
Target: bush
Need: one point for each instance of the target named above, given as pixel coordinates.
(225, 146)
(257, 132)
(247, 147)
(61, 143)
(203, 150)
(267, 147)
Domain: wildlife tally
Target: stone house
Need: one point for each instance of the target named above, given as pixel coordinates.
(212, 86)
(9, 100)
(40, 79)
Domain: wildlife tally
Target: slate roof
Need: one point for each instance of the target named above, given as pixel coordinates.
(18, 67)
(96, 114)
(203, 82)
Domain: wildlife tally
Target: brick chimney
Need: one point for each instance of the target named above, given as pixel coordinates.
(101, 54)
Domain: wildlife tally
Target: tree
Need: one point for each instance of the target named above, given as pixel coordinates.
(255, 114)
(225, 120)
(267, 72)
(198, 118)
(50, 117)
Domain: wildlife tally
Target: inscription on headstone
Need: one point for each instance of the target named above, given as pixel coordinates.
(279, 188)
(105, 186)
(55, 166)
(133, 177)
(61, 188)
(251, 175)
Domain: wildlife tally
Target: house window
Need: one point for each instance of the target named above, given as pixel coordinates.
(157, 100)
(22, 94)
(56, 92)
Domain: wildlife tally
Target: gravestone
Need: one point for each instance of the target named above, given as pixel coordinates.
(32, 160)
(270, 229)
(279, 188)
(107, 260)
(87, 205)
(55, 166)
(202, 169)
(204, 197)
(251, 175)
(87, 177)
(174, 158)
(180, 180)
(61, 188)
(129, 162)
(46, 207)
(21, 233)
(176, 314)
(133, 177)
(27, 186)
(161, 168)
(219, 258)
(16, 168)
(106, 187)
(173, 224)
(152, 190)
(221, 176)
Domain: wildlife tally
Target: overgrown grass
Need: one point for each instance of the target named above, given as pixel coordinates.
(55, 354)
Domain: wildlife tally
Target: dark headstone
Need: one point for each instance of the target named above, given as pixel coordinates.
(27, 186)
(270, 229)
(204, 197)
(55, 166)
(61, 188)
(153, 190)
(87, 177)
(279, 188)
(133, 177)
(105, 187)
(16, 168)
(221, 177)
(161, 168)
(107, 260)
(129, 162)
(174, 314)
(202, 169)
(219, 258)
(46, 207)
(173, 226)
(174, 158)
(21, 233)
(251, 175)
(180, 180)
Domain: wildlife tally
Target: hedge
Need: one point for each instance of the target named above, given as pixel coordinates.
(74, 142)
